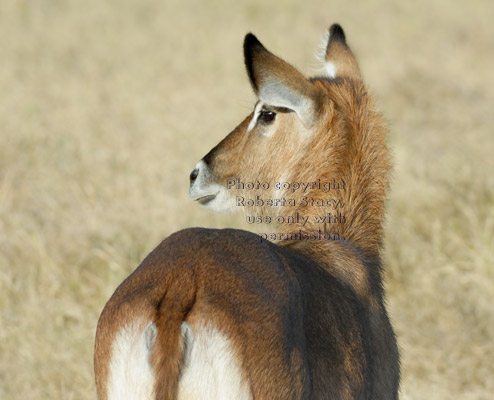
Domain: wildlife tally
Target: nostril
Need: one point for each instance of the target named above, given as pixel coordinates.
(193, 175)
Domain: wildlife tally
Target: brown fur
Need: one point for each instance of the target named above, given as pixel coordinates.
(306, 318)
(349, 145)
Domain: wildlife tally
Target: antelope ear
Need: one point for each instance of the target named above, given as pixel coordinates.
(339, 59)
(278, 84)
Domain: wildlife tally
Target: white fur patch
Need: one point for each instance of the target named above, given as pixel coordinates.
(269, 130)
(131, 375)
(218, 197)
(330, 68)
(253, 121)
(223, 202)
(211, 368)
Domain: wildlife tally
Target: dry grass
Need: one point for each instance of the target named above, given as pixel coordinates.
(107, 105)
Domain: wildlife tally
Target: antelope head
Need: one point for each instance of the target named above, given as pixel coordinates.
(294, 131)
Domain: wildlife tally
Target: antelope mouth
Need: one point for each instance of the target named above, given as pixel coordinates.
(206, 199)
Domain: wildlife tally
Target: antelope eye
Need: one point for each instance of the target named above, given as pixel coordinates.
(266, 116)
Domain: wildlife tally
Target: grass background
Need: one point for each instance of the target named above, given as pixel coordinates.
(106, 106)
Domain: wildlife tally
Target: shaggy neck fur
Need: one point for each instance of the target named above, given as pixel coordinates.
(350, 148)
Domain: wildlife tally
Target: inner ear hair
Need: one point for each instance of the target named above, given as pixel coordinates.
(278, 83)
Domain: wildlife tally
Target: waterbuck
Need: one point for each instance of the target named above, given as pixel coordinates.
(296, 313)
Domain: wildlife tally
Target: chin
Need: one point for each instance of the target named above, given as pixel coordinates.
(221, 203)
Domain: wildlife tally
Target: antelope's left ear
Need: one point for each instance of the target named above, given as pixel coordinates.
(278, 84)
(339, 60)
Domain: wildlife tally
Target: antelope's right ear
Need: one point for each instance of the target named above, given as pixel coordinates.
(278, 84)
